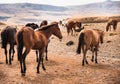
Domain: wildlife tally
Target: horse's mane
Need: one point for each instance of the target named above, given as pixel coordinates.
(47, 26)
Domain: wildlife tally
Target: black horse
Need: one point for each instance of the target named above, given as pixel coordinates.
(8, 36)
(32, 25)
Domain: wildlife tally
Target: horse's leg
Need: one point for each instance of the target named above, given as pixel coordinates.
(68, 30)
(6, 55)
(46, 50)
(43, 67)
(110, 27)
(13, 54)
(39, 62)
(40, 59)
(23, 58)
(92, 54)
(21, 62)
(85, 52)
(84, 56)
(71, 32)
(96, 49)
(36, 55)
(10, 50)
(13, 51)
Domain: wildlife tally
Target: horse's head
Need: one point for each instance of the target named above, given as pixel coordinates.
(56, 30)
(43, 23)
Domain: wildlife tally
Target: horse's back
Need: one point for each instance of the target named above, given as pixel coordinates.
(91, 36)
(28, 36)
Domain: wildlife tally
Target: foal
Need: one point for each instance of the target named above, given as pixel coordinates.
(89, 39)
(31, 39)
(8, 37)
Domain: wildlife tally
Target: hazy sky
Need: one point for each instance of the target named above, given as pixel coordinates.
(54, 2)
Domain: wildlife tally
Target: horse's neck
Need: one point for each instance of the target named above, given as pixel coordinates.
(47, 33)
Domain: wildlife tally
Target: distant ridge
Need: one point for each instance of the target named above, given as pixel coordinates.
(28, 12)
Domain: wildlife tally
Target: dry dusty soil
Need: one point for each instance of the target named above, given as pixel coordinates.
(65, 66)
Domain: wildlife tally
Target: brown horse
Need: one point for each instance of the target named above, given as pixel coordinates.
(8, 37)
(31, 39)
(43, 23)
(111, 22)
(71, 25)
(89, 39)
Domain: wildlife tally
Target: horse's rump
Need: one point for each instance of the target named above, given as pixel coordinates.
(8, 35)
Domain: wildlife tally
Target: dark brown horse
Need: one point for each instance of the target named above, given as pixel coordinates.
(89, 39)
(37, 39)
(43, 23)
(111, 22)
(71, 25)
(32, 25)
(8, 36)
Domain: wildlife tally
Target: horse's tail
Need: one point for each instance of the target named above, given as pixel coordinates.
(4, 37)
(81, 40)
(20, 44)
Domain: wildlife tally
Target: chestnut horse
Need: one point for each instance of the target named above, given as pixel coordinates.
(30, 39)
(89, 39)
(71, 25)
(111, 22)
(8, 37)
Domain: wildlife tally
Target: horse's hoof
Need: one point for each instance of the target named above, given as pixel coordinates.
(86, 62)
(23, 74)
(36, 60)
(6, 62)
(10, 63)
(38, 72)
(46, 59)
(12, 59)
(96, 62)
(44, 68)
(82, 64)
(92, 60)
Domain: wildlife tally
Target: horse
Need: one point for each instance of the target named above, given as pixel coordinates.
(8, 36)
(111, 22)
(89, 39)
(71, 25)
(32, 25)
(43, 23)
(30, 39)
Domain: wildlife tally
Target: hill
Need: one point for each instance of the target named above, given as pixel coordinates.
(28, 12)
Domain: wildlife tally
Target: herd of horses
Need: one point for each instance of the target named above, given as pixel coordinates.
(35, 37)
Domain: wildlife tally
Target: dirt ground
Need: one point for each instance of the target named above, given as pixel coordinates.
(65, 66)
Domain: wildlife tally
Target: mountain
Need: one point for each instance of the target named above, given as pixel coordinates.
(28, 12)
(103, 8)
